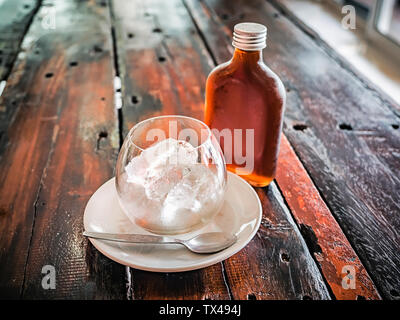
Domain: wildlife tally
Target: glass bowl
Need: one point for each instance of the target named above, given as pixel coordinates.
(170, 175)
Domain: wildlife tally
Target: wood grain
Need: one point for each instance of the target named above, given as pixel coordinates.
(341, 130)
(330, 247)
(176, 85)
(161, 54)
(277, 264)
(61, 145)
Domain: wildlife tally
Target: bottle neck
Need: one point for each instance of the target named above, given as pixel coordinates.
(247, 57)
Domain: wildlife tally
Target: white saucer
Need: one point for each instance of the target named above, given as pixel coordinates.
(241, 214)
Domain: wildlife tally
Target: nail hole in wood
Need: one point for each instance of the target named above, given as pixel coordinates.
(3, 212)
(311, 239)
(48, 75)
(300, 127)
(161, 59)
(97, 49)
(251, 296)
(307, 297)
(157, 30)
(135, 100)
(103, 134)
(394, 293)
(345, 126)
(395, 126)
(73, 64)
(285, 257)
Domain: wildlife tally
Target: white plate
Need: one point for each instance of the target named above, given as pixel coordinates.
(241, 214)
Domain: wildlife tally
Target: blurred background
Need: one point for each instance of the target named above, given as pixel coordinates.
(372, 46)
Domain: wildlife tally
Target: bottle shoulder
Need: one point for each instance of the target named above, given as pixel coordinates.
(259, 75)
(223, 69)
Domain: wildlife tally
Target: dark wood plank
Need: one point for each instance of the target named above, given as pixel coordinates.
(15, 17)
(277, 264)
(61, 144)
(331, 248)
(341, 130)
(160, 54)
(204, 284)
(176, 86)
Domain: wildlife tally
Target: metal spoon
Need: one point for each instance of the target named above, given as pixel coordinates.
(202, 243)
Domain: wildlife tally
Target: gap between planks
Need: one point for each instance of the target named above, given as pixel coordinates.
(130, 293)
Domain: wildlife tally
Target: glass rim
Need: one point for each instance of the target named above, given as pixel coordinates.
(131, 131)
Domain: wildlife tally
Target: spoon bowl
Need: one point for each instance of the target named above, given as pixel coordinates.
(209, 242)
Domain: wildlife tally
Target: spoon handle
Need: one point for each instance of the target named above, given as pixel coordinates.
(131, 238)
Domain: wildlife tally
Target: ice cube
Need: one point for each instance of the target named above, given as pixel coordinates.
(168, 189)
(160, 167)
(191, 198)
(170, 152)
(159, 181)
(136, 170)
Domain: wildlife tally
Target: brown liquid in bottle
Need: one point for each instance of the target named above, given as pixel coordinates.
(245, 94)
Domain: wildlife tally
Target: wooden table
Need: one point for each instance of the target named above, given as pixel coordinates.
(334, 207)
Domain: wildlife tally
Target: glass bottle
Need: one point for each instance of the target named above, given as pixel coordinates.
(244, 107)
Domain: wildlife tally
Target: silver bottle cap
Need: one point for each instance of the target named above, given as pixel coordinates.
(249, 36)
